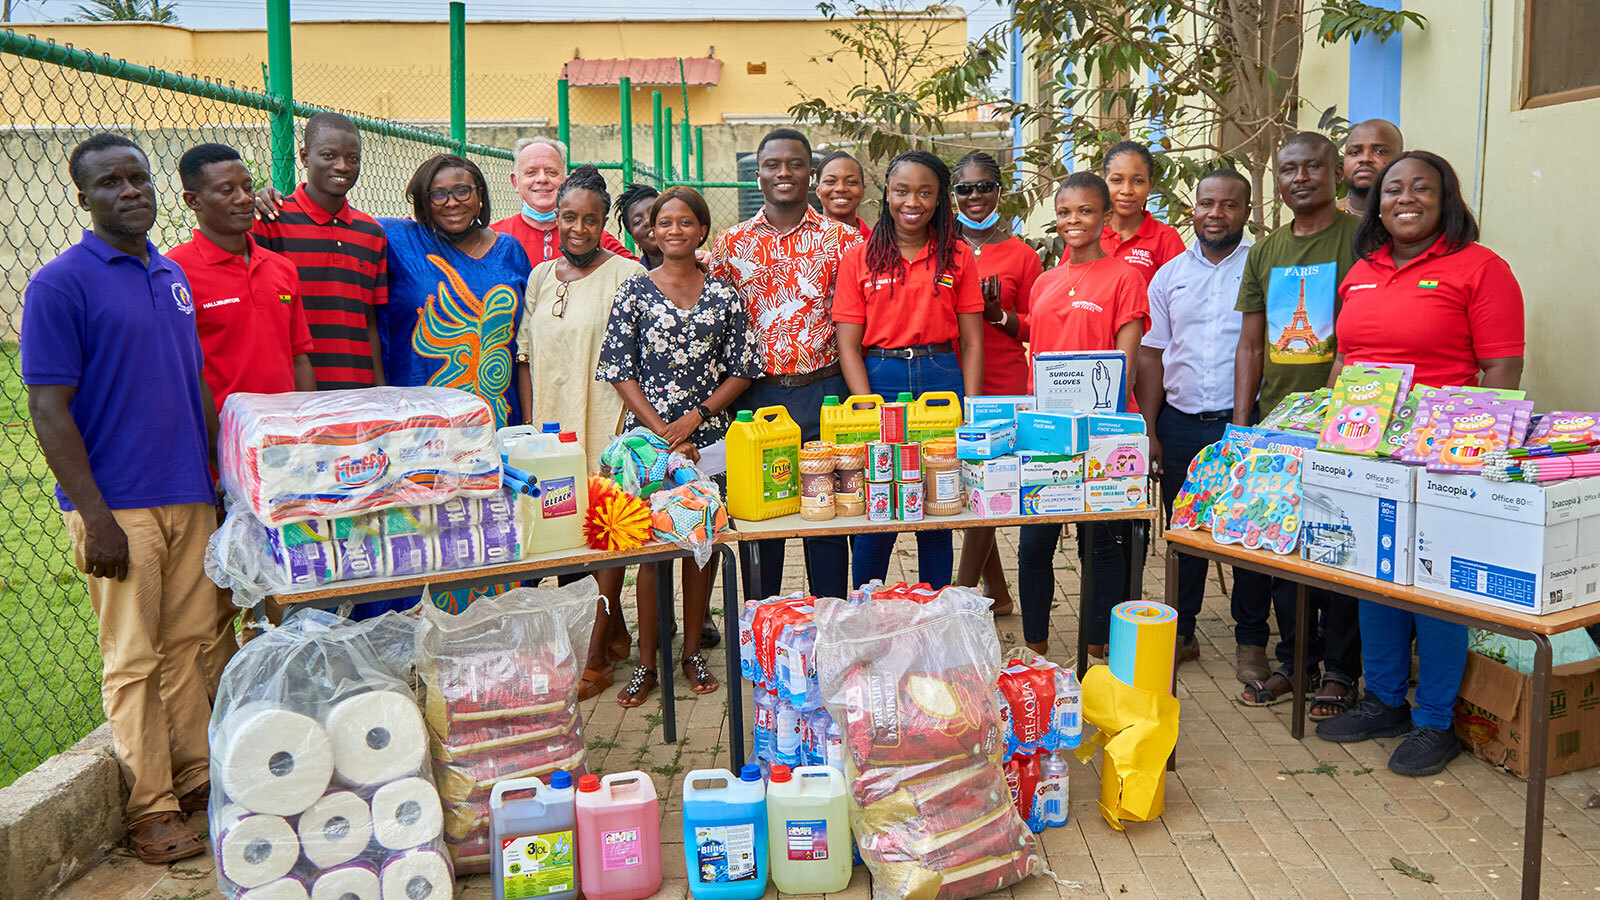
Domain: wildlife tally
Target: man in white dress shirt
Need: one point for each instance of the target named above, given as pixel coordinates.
(1185, 384)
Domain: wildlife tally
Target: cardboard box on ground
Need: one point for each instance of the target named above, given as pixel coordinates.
(1496, 707)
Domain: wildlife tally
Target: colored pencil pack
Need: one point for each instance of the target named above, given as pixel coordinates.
(1361, 406)
(1565, 427)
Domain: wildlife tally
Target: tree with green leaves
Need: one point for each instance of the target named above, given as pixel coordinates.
(127, 11)
(1204, 82)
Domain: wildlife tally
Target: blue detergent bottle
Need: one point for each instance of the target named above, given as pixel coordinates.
(725, 833)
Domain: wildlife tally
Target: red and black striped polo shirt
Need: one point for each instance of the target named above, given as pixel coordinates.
(343, 260)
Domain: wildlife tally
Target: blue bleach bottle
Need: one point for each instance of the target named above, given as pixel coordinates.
(725, 833)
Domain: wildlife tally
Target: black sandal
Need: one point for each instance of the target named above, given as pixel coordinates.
(701, 681)
(638, 688)
(1341, 702)
(1262, 693)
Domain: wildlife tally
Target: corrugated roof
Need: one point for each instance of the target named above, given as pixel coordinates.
(699, 71)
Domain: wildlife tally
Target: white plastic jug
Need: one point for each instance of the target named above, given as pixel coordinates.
(808, 830)
(554, 519)
(534, 852)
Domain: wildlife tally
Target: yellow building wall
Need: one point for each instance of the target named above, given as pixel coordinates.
(400, 70)
(1538, 193)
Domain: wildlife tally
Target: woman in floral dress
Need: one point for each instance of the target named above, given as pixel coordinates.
(679, 349)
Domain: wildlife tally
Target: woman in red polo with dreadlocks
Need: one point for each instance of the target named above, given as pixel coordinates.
(903, 300)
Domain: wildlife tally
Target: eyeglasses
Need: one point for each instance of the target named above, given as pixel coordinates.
(965, 188)
(559, 308)
(461, 193)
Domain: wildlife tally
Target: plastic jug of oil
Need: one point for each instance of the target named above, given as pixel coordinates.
(554, 519)
(936, 414)
(534, 848)
(619, 836)
(808, 830)
(855, 421)
(725, 833)
(763, 464)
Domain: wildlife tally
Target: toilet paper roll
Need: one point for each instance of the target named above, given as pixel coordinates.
(407, 554)
(376, 737)
(498, 510)
(500, 544)
(458, 512)
(291, 888)
(360, 556)
(406, 813)
(357, 881)
(335, 830)
(254, 849)
(272, 760)
(305, 563)
(458, 548)
(405, 520)
(420, 874)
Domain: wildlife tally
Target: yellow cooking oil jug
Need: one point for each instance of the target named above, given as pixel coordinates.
(855, 421)
(763, 464)
(936, 414)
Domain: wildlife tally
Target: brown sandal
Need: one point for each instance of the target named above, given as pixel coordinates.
(638, 688)
(161, 838)
(618, 650)
(594, 681)
(701, 681)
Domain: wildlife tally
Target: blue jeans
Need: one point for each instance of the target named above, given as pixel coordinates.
(1386, 635)
(935, 553)
(825, 556)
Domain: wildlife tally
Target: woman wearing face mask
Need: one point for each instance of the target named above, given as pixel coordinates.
(1007, 268)
(454, 285)
(1423, 292)
(1089, 301)
(1131, 234)
(903, 299)
(841, 185)
(633, 216)
(563, 327)
(679, 349)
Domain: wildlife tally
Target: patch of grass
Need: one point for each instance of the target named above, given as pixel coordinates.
(603, 745)
(191, 894)
(651, 720)
(1365, 771)
(1328, 769)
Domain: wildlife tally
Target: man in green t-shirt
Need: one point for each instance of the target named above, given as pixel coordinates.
(1291, 281)
(1286, 344)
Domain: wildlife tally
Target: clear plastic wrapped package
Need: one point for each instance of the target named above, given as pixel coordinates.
(912, 686)
(319, 779)
(691, 516)
(500, 696)
(297, 456)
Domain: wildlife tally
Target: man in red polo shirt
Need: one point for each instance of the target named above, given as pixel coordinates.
(536, 175)
(247, 299)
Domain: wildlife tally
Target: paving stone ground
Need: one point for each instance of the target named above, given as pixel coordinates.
(1250, 812)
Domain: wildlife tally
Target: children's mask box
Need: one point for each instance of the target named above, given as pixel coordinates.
(1509, 545)
(1081, 381)
(1359, 514)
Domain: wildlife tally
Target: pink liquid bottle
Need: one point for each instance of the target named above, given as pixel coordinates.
(619, 836)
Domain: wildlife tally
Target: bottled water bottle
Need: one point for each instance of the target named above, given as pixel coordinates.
(747, 641)
(1069, 709)
(1052, 797)
(766, 720)
(786, 729)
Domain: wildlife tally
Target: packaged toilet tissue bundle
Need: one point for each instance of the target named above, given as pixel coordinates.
(321, 699)
(298, 456)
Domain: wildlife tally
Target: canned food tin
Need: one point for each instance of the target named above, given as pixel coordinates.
(908, 462)
(880, 501)
(908, 501)
(880, 462)
(892, 422)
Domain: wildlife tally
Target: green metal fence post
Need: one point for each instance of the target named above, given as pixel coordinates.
(625, 101)
(699, 153)
(655, 132)
(563, 120)
(671, 171)
(280, 67)
(683, 84)
(458, 73)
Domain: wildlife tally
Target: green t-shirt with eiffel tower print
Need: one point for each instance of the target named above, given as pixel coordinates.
(1295, 280)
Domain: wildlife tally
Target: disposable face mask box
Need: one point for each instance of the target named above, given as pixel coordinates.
(1359, 514)
(1117, 494)
(1495, 714)
(989, 475)
(1509, 545)
(1052, 499)
(1093, 381)
(992, 504)
(1122, 456)
(998, 406)
(1049, 468)
(986, 440)
(1115, 424)
(1048, 432)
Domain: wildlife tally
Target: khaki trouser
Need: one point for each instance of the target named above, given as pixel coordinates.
(155, 628)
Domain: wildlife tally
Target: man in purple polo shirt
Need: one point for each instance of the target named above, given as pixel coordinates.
(112, 362)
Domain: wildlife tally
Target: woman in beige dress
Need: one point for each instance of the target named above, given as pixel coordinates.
(558, 346)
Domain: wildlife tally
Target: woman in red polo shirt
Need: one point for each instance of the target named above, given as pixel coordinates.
(1091, 301)
(1131, 234)
(902, 300)
(1007, 268)
(1423, 292)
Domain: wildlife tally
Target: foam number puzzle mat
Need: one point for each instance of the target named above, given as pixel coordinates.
(1260, 507)
(1205, 483)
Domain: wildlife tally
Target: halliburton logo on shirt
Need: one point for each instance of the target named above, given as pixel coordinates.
(216, 303)
(1089, 305)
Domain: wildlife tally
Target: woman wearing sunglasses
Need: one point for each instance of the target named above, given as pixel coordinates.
(455, 289)
(1007, 269)
(558, 346)
(1131, 233)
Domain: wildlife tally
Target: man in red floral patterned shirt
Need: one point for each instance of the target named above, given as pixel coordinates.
(784, 262)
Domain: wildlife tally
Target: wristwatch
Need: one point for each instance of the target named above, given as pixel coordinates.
(1001, 323)
(705, 414)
